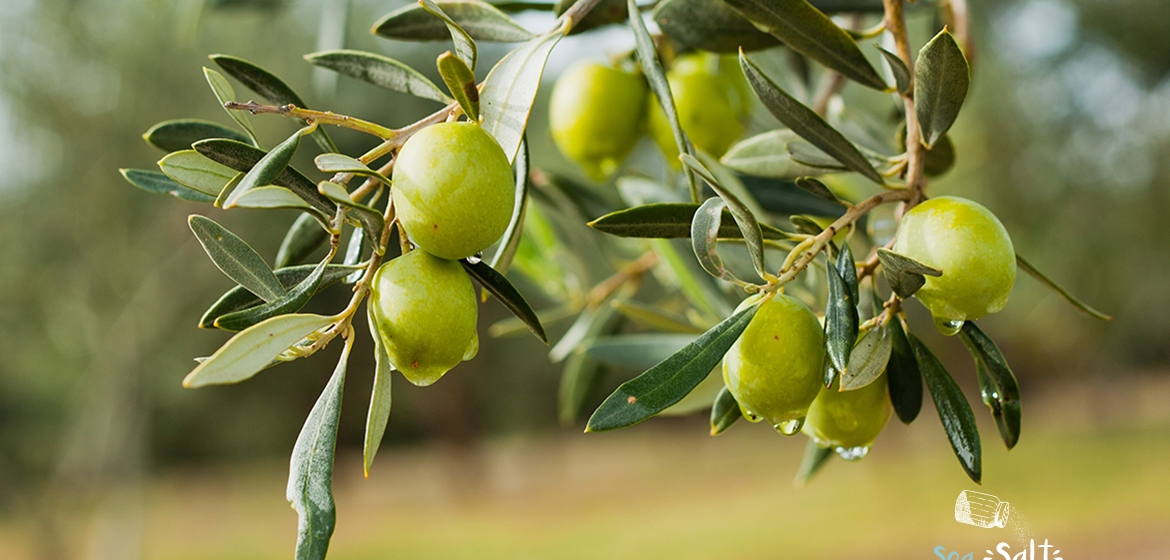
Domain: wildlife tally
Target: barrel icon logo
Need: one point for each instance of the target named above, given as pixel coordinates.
(981, 510)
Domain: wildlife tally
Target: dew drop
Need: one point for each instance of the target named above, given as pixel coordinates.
(948, 328)
(791, 427)
(853, 453)
(475, 259)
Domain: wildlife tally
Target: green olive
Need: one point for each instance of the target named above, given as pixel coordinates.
(424, 309)
(453, 189)
(972, 249)
(595, 116)
(774, 369)
(849, 419)
(711, 98)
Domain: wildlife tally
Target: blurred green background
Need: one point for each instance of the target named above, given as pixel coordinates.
(104, 455)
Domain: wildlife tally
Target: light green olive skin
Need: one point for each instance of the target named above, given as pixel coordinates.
(424, 309)
(972, 249)
(453, 189)
(774, 369)
(711, 101)
(595, 116)
(849, 418)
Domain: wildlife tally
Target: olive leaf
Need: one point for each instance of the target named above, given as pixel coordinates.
(254, 349)
(902, 375)
(341, 163)
(179, 134)
(898, 68)
(784, 198)
(636, 351)
(381, 71)
(766, 155)
(815, 458)
(603, 12)
(804, 29)
(941, 80)
(195, 171)
(805, 225)
(273, 196)
(672, 379)
(670, 220)
(310, 476)
(710, 25)
(1035, 273)
(481, 21)
(848, 270)
(704, 232)
(583, 372)
(243, 157)
(269, 167)
(157, 182)
(380, 401)
(370, 218)
(654, 317)
(997, 383)
(465, 47)
(291, 302)
(841, 319)
(808, 155)
(953, 410)
(224, 93)
(503, 290)
(807, 123)
(686, 276)
(904, 274)
(724, 412)
(271, 88)
(510, 89)
(748, 225)
(238, 260)
(239, 298)
(510, 241)
(460, 81)
(815, 187)
(868, 359)
(302, 238)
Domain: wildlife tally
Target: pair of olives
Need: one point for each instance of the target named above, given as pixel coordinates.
(598, 113)
(453, 193)
(774, 370)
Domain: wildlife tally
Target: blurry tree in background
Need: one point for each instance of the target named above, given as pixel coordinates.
(1064, 135)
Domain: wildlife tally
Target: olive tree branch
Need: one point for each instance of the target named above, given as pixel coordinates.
(327, 117)
(915, 152)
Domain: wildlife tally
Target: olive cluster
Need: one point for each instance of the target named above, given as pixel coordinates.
(598, 112)
(453, 195)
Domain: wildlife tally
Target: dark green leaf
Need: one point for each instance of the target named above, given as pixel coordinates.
(157, 182)
(510, 89)
(270, 88)
(815, 458)
(940, 157)
(637, 351)
(953, 410)
(464, 44)
(784, 198)
(814, 186)
(905, 381)
(310, 477)
(997, 383)
(510, 241)
(239, 298)
(941, 79)
(224, 93)
(840, 320)
(766, 155)
(848, 270)
(898, 69)
(290, 302)
(268, 168)
(172, 136)
(242, 157)
(371, 220)
(724, 412)
(806, 123)
(1027, 267)
(805, 225)
(482, 21)
(868, 359)
(670, 380)
(806, 30)
(744, 218)
(380, 401)
(303, 237)
(710, 25)
(904, 274)
(254, 349)
(236, 258)
(502, 289)
(460, 81)
(669, 220)
(808, 155)
(381, 71)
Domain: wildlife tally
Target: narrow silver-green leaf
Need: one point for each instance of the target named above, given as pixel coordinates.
(670, 380)
(460, 82)
(806, 30)
(868, 359)
(370, 218)
(744, 218)
(580, 380)
(269, 167)
(191, 169)
(669, 220)
(224, 93)
(904, 274)
(941, 80)
(464, 45)
(680, 273)
(310, 475)
(1027, 267)
(840, 320)
(724, 412)
(953, 410)
(503, 290)
(655, 317)
(814, 186)
(510, 89)
(243, 157)
(766, 155)
(239, 298)
(381, 71)
(380, 401)
(341, 163)
(510, 241)
(302, 238)
(157, 182)
(482, 21)
(254, 348)
(815, 458)
(637, 351)
(290, 302)
(903, 376)
(997, 383)
(238, 260)
(179, 134)
(272, 196)
(898, 69)
(807, 123)
(704, 234)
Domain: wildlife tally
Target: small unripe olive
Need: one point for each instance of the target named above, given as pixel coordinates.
(595, 116)
(453, 189)
(849, 419)
(972, 249)
(424, 309)
(774, 369)
(711, 99)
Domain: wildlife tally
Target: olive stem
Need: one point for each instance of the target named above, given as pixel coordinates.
(895, 20)
(327, 117)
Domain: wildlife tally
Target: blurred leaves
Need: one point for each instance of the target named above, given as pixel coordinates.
(710, 25)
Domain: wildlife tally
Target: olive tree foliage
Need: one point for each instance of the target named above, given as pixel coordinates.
(692, 254)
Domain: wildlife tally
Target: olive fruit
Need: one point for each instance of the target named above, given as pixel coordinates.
(453, 189)
(972, 249)
(424, 310)
(849, 420)
(595, 116)
(774, 369)
(711, 98)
